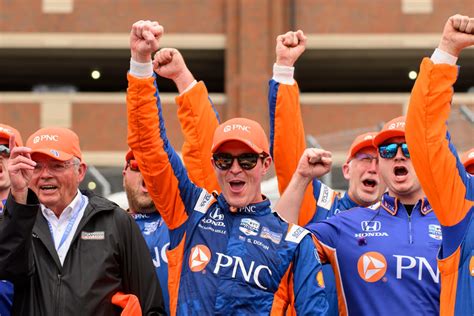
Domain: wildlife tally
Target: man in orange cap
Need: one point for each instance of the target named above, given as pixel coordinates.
(387, 250)
(229, 253)
(288, 144)
(6, 288)
(66, 251)
(447, 183)
(467, 160)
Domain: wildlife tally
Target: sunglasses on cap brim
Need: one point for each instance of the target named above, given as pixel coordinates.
(246, 161)
(388, 151)
(133, 165)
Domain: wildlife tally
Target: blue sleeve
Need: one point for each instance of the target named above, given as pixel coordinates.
(310, 297)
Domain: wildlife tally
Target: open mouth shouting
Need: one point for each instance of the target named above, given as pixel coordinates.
(236, 186)
(370, 184)
(401, 173)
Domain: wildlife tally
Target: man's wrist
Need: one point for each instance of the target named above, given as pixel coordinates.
(283, 74)
(183, 81)
(141, 70)
(440, 56)
(20, 196)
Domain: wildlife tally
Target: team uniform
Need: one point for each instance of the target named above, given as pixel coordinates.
(384, 260)
(155, 233)
(320, 202)
(445, 182)
(246, 261)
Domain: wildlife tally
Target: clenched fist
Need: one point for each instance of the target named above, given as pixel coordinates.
(145, 39)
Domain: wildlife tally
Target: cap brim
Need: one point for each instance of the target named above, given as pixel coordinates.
(252, 147)
(129, 155)
(5, 139)
(53, 153)
(359, 146)
(383, 136)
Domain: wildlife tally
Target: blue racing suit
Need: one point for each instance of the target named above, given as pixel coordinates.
(384, 260)
(244, 261)
(156, 235)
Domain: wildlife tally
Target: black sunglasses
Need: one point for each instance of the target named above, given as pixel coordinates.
(4, 151)
(389, 151)
(246, 161)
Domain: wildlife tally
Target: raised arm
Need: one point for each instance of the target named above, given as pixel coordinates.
(287, 136)
(197, 116)
(313, 163)
(165, 177)
(443, 177)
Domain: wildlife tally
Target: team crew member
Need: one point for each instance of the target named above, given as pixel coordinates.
(6, 288)
(68, 252)
(444, 179)
(151, 224)
(229, 252)
(467, 160)
(287, 143)
(384, 254)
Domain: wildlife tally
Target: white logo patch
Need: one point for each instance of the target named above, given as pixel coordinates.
(249, 226)
(296, 234)
(93, 235)
(326, 197)
(434, 231)
(203, 202)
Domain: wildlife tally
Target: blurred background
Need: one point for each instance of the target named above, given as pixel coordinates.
(64, 63)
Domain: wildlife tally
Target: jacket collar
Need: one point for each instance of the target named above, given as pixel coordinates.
(257, 209)
(392, 205)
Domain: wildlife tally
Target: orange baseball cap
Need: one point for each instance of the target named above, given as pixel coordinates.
(6, 131)
(56, 142)
(392, 128)
(129, 156)
(467, 158)
(243, 130)
(361, 141)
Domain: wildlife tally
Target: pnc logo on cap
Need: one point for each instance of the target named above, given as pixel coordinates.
(41, 138)
(199, 258)
(471, 155)
(233, 127)
(372, 266)
(6, 130)
(367, 137)
(396, 125)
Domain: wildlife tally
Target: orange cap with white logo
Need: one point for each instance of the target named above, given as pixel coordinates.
(56, 142)
(243, 130)
(360, 142)
(6, 131)
(392, 128)
(467, 158)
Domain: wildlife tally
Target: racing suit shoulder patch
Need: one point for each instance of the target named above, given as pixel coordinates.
(204, 201)
(326, 197)
(296, 233)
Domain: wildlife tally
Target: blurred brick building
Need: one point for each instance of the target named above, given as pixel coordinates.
(353, 77)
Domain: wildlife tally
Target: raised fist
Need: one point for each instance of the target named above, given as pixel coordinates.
(314, 163)
(169, 63)
(289, 47)
(458, 34)
(145, 39)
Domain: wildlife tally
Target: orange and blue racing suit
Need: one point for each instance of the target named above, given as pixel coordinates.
(245, 261)
(445, 182)
(287, 144)
(384, 259)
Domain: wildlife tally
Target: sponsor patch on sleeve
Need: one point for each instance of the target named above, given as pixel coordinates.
(296, 234)
(203, 202)
(326, 197)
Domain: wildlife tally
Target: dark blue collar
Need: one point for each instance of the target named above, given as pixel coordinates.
(392, 205)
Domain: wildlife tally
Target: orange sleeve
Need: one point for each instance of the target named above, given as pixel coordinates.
(440, 173)
(147, 139)
(198, 120)
(287, 139)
